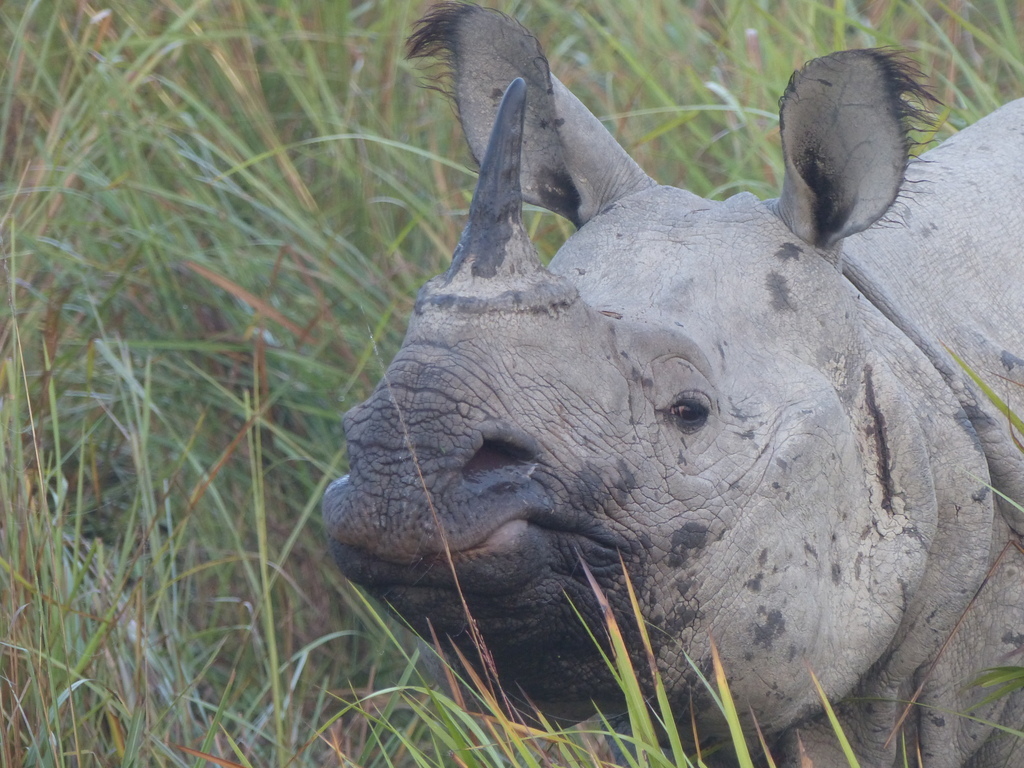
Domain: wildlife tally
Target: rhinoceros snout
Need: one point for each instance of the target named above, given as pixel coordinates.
(476, 507)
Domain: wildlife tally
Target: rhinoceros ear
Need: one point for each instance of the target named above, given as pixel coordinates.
(845, 120)
(571, 164)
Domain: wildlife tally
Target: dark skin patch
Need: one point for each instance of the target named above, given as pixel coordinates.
(789, 251)
(622, 483)
(778, 289)
(837, 574)
(691, 536)
(774, 627)
(1014, 638)
(1010, 361)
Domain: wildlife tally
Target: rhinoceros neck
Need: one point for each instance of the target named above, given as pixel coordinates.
(956, 289)
(961, 285)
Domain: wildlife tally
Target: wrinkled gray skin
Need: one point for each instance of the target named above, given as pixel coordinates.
(749, 402)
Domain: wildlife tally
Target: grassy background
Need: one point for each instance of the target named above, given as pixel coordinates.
(213, 218)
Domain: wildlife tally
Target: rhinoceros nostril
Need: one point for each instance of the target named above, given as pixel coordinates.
(495, 454)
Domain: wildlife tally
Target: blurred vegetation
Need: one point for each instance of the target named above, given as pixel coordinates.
(214, 216)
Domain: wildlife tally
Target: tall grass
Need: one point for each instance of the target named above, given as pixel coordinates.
(214, 215)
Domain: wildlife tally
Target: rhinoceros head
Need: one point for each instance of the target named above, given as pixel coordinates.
(688, 392)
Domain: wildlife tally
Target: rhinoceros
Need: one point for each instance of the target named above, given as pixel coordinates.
(764, 412)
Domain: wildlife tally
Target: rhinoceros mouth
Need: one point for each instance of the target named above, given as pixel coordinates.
(503, 539)
(516, 554)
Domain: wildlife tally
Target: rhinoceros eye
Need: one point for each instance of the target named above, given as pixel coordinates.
(690, 411)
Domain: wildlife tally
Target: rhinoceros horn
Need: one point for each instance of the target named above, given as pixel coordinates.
(494, 239)
(495, 266)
